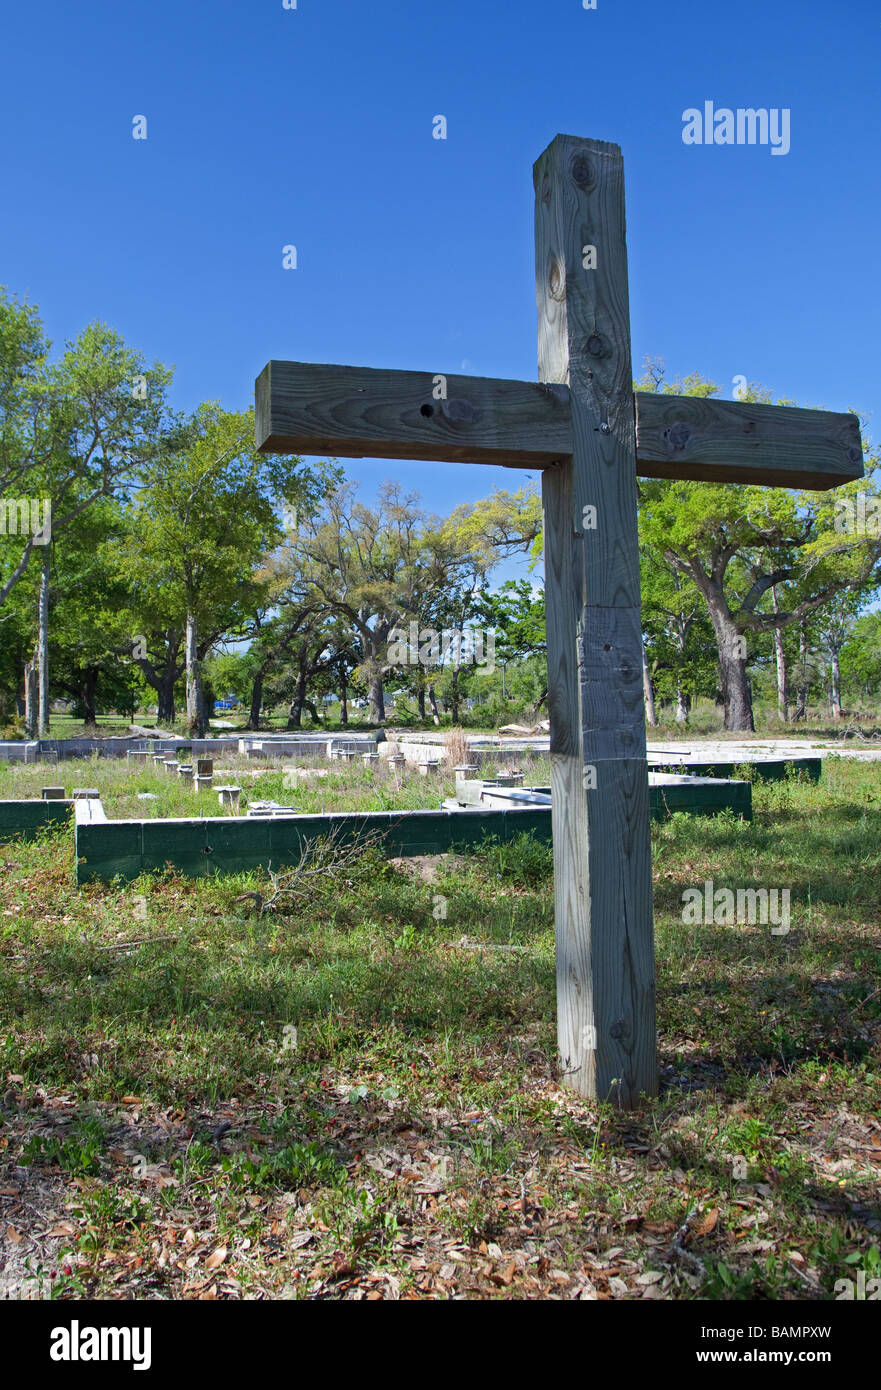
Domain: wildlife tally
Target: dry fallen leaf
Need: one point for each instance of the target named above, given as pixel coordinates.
(64, 1228)
(706, 1223)
(217, 1258)
(13, 1236)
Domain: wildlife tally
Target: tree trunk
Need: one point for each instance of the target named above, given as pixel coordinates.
(256, 701)
(736, 696)
(30, 699)
(165, 682)
(454, 695)
(88, 686)
(801, 707)
(836, 685)
(295, 713)
(433, 702)
(166, 711)
(681, 705)
(648, 692)
(344, 698)
(43, 646)
(376, 696)
(420, 700)
(195, 693)
(782, 698)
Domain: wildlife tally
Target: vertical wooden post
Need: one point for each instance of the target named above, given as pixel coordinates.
(602, 848)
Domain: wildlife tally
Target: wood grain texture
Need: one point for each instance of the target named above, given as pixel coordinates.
(353, 412)
(736, 442)
(358, 412)
(599, 777)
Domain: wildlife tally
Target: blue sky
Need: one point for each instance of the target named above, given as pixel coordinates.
(313, 127)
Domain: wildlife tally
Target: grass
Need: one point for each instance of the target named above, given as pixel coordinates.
(350, 1102)
(324, 786)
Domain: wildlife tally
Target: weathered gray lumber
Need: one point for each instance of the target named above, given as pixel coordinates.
(591, 435)
(306, 407)
(354, 412)
(737, 442)
(599, 776)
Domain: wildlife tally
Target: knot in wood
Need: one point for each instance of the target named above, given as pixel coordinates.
(556, 281)
(620, 1029)
(597, 346)
(458, 410)
(583, 171)
(678, 435)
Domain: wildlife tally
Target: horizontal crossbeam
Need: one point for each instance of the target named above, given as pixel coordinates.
(737, 442)
(357, 412)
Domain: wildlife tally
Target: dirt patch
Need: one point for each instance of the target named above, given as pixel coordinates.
(426, 866)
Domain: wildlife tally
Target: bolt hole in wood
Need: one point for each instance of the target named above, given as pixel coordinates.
(427, 411)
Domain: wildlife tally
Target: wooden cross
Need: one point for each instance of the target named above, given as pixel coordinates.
(584, 426)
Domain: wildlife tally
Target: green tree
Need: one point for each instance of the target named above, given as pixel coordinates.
(736, 543)
(71, 433)
(861, 657)
(678, 637)
(203, 523)
(362, 565)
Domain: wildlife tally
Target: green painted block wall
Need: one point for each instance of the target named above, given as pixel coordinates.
(761, 770)
(226, 845)
(24, 820)
(701, 801)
